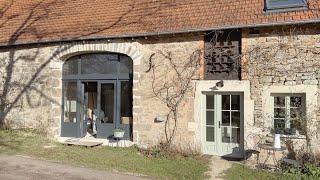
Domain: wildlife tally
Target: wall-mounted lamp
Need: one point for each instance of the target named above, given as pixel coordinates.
(220, 83)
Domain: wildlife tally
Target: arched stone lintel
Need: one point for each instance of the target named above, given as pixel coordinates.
(66, 51)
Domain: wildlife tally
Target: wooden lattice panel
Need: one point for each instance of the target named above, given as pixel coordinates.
(222, 57)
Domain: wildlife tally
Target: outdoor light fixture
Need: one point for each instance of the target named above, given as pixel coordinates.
(220, 84)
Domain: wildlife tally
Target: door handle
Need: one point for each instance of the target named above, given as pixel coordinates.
(219, 124)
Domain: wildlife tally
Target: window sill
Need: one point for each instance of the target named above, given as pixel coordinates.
(296, 136)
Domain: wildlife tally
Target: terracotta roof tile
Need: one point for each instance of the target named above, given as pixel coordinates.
(38, 20)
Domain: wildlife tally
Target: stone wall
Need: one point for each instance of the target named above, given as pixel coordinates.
(286, 60)
(36, 75)
(180, 49)
(32, 92)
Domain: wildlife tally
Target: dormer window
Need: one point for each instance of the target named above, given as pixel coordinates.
(285, 5)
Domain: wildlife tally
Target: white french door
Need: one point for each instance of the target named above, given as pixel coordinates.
(222, 124)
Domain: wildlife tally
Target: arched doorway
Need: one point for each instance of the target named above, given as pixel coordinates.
(97, 95)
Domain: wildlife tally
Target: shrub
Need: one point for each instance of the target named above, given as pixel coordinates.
(311, 170)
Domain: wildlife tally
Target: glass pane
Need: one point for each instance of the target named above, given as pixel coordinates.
(91, 104)
(279, 113)
(70, 101)
(126, 102)
(126, 64)
(296, 113)
(235, 102)
(107, 103)
(99, 64)
(235, 119)
(225, 102)
(210, 134)
(210, 102)
(225, 118)
(225, 135)
(295, 123)
(279, 101)
(281, 4)
(210, 117)
(279, 123)
(296, 118)
(71, 66)
(295, 101)
(235, 135)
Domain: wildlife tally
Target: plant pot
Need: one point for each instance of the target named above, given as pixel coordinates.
(276, 141)
(118, 134)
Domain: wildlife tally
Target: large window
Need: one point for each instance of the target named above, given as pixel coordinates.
(285, 5)
(289, 113)
(98, 64)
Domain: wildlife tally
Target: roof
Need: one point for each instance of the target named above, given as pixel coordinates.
(46, 20)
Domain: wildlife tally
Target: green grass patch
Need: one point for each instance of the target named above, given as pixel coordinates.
(243, 172)
(27, 143)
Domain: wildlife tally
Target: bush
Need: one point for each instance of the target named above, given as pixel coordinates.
(307, 170)
(311, 170)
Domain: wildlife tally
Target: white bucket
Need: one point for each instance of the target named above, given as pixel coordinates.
(276, 141)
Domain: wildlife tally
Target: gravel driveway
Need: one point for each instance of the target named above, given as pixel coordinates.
(23, 168)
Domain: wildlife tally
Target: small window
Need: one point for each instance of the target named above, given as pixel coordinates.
(285, 5)
(289, 113)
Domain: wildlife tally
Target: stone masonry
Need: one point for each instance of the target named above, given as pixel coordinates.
(283, 57)
(37, 72)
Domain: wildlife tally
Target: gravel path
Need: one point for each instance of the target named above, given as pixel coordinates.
(23, 168)
(217, 166)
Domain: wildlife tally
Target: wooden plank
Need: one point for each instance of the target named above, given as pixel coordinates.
(83, 143)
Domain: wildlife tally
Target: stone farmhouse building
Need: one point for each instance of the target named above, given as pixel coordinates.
(205, 75)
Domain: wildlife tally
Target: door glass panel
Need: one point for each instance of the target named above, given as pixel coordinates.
(235, 119)
(231, 118)
(225, 102)
(107, 103)
(210, 102)
(70, 101)
(235, 102)
(126, 102)
(225, 118)
(210, 134)
(210, 117)
(235, 135)
(225, 135)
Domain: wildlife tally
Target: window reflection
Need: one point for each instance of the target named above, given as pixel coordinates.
(70, 101)
(126, 102)
(107, 103)
(98, 64)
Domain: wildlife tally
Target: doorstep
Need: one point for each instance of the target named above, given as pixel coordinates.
(105, 142)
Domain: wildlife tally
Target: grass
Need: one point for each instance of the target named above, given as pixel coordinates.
(26, 143)
(242, 172)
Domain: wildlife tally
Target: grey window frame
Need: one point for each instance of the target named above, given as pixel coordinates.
(79, 75)
(295, 5)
